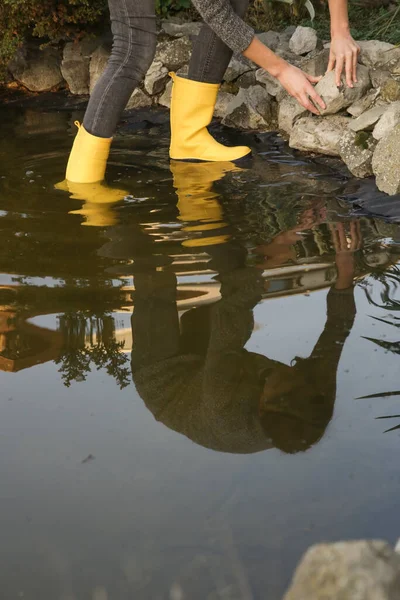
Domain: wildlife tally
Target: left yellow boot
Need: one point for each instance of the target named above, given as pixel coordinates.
(192, 109)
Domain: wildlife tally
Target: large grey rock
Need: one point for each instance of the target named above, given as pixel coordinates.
(289, 111)
(271, 84)
(37, 70)
(156, 78)
(138, 100)
(223, 101)
(373, 52)
(366, 570)
(174, 54)
(75, 65)
(386, 163)
(356, 151)
(379, 77)
(98, 64)
(316, 63)
(360, 106)
(236, 68)
(250, 109)
(391, 61)
(337, 99)
(271, 39)
(368, 119)
(181, 29)
(165, 98)
(317, 134)
(389, 120)
(303, 40)
(390, 90)
(246, 80)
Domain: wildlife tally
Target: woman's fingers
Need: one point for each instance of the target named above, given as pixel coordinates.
(306, 102)
(312, 78)
(331, 64)
(339, 69)
(316, 97)
(349, 69)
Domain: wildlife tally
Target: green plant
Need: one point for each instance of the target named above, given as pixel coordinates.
(49, 20)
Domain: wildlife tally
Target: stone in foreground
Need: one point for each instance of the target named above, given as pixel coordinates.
(373, 52)
(98, 64)
(356, 151)
(303, 40)
(337, 99)
(386, 163)
(37, 70)
(173, 55)
(181, 29)
(156, 78)
(389, 120)
(320, 135)
(368, 119)
(138, 100)
(75, 65)
(272, 85)
(250, 109)
(365, 570)
(289, 111)
(360, 106)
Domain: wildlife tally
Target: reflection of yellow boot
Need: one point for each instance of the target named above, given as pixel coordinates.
(198, 203)
(192, 109)
(98, 201)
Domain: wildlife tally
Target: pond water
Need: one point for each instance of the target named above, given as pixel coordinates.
(199, 373)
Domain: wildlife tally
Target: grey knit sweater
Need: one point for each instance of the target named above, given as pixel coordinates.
(226, 24)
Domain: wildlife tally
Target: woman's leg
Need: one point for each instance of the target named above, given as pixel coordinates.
(133, 25)
(211, 57)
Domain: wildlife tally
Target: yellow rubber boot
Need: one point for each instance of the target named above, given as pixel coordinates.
(88, 159)
(85, 179)
(198, 203)
(192, 109)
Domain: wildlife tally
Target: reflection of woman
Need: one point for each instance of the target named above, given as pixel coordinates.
(193, 99)
(200, 380)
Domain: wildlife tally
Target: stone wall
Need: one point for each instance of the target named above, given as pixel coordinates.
(360, 124)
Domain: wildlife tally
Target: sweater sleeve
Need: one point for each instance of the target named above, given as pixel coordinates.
(226, 24)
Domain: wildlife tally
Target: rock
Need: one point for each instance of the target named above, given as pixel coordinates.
(236, 68)
(247, 80)
(379, 77)
(368, 119)
(316, 63)
(389, 120)
(365, 570)
(336, 98)
(317, 134)
(360, 106)
(289, 111)
(156, 78)
(385, 163)
(250, 109)
(165, 98)
(75, 65)
(391, 61)
(390, 90)
(98, 64)
(37, 70)
(289, 56)
(356, 151)
(138, 100)
(223, 101)
(272, 85)
(373, 52)
(271, 39)
(181, 29)
(303, 40)
(174, 54)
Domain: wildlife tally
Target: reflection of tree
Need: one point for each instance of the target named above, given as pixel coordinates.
(90, 339)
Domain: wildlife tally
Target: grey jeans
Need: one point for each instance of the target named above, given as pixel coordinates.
(133, 24)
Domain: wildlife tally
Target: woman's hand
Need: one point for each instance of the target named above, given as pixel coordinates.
(298, 84)
(344, 56)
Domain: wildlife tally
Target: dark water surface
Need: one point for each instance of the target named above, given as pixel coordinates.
(183, 370)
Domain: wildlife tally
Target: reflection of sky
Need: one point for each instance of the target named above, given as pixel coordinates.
(152, 501)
